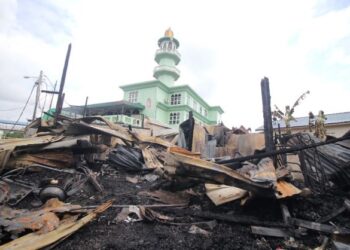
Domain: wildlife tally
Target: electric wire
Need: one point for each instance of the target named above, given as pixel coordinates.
(25, 105)
(43, 108)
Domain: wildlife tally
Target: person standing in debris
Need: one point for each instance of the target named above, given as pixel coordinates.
(186, 130)
(320, 129)
(311, 121)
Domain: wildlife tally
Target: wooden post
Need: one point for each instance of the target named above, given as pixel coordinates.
(85, 106)
(268, 129)
(63, 79)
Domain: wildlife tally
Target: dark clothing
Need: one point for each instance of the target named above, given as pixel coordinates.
(187, 127)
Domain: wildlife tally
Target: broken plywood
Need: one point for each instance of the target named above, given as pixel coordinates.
(241, 145)
(285, 189)
(220, 194)
(151, 160)
(199, 139)
(192, 167)
(65, 229)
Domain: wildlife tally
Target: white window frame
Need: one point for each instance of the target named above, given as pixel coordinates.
(133, 96)
(174, 118)
(175, 99)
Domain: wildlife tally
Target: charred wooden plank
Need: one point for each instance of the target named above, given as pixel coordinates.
(271, 231)
(194, 167)
(319, 227)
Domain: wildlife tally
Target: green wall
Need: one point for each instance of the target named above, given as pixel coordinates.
(146, 97)
(158, 107)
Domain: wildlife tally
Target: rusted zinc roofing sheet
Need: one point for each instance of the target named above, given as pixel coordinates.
(7, 146)
(331, 161)
(334, 118)
(86, 126)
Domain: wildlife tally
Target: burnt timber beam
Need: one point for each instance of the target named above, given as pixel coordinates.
(63, 80)
(266, 101)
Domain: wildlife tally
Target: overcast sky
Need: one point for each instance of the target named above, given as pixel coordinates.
(227, 47)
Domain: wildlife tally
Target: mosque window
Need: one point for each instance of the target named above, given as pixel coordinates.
(133, 96)
(194, 105)
(201, 110)
(174, 118)
(164, 46)
(170, 46)
(175, 99)
(205, 113)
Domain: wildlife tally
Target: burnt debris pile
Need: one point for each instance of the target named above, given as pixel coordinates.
(228, 191)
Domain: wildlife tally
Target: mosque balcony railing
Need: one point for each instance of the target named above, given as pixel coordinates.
(134, 120)
(166, 51)
(162, 68)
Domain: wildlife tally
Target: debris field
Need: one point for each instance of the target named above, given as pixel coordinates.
(88, 183)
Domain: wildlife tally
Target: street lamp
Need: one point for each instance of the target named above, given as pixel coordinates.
(38, 83)
(40, 79)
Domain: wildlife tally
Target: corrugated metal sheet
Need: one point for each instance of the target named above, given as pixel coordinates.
(304, 121)
(324, 164)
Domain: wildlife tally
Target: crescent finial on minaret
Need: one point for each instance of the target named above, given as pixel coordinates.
(169, 33)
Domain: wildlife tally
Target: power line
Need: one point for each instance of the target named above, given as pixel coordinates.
(25, 105)
(43, 108)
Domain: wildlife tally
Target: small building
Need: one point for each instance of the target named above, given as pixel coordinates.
(11, 128)
(336, 124)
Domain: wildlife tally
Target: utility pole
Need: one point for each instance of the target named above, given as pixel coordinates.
(60, 97)
(38, 91)
(54, 90)
(268, 128)
(85, 106)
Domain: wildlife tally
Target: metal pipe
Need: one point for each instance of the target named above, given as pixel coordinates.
(37, 97)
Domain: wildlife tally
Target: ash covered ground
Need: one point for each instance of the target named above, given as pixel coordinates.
(106, 233)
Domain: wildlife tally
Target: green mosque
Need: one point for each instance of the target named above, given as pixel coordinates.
(160, 99)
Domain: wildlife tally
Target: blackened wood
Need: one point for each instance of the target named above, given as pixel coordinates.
(268, 129)
(319, 227)
(285, 213)
(271, 231)
(63, 79)
(239, 219)
(335, 213)
(85, 106)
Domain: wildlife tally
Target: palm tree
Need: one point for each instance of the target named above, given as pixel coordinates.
(287, 116)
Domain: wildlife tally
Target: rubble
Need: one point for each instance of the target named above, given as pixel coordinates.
(250, 194)
(67, 227)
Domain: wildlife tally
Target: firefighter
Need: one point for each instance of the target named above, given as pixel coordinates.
(320, 129)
